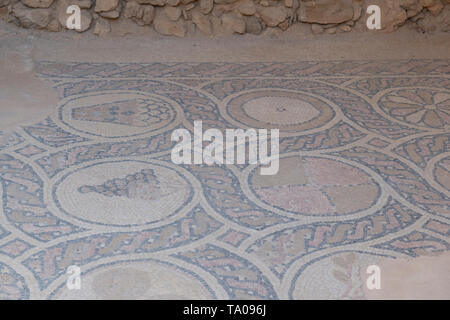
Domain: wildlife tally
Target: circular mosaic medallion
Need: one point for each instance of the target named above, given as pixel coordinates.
(315, 186)
(123, 193)
(138, 280)
(287, 111)
(120, 114)
(423, 107)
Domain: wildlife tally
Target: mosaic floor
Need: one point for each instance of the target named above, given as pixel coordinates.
(364, 173)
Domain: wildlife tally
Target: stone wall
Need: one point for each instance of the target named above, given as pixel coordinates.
(212, 17)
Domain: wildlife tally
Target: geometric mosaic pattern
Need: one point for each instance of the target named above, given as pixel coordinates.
(364, 173)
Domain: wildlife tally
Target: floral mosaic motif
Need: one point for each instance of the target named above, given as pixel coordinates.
(135, 112)
(424, 107)
(354, 180)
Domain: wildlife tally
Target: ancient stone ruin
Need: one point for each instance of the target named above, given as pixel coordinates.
(213, 17)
